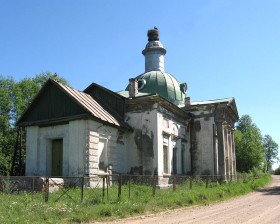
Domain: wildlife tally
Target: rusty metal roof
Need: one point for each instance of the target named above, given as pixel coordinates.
(93, 107)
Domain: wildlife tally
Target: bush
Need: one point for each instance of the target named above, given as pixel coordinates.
(256, 173)
(105, 211)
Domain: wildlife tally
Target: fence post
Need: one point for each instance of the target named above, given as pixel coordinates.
(107, 187)
(154, 185)
(220, 180)
(120, 185)
(33, 184)
(191, 182)
(174, 183)
(103, 187)
(47, 189)
(207, 179)
(129, 186)
(82, 189)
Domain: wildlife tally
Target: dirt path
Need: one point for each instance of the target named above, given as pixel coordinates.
(262, 206)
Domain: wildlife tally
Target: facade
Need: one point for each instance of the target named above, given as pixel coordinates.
(150, 128)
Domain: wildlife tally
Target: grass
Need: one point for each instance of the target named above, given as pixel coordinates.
(31, 208)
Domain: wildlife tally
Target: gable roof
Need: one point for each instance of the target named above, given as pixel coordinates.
(229, 102)
(86, 104)
(113, 102)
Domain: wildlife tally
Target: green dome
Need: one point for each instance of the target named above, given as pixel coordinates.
(163, 84)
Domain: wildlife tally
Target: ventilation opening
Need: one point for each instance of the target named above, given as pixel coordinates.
(141, 84)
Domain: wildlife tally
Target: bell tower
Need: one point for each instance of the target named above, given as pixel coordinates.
(154, 52)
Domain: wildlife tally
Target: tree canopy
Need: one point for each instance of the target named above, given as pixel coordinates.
(253, 150)
(271, 151)
(248, 145)
(15, 98)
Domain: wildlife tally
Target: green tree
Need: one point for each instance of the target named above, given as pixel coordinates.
(15, 98)
(271, 151)
(277, 171)
(249, 145)
(6, 131)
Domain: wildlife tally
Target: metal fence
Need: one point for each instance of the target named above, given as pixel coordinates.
(105, 187)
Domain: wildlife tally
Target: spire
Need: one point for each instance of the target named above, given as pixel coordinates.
(154, 52)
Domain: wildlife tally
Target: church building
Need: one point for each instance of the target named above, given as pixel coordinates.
(149, 128)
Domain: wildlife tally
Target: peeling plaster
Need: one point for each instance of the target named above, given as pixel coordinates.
(120, 138)
(144, 142)
(197, 125)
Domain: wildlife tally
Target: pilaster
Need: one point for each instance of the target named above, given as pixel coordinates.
(221, 150)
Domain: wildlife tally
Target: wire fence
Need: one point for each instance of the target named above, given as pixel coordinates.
(111, 187)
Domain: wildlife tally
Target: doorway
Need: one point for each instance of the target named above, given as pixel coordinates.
(57, 157)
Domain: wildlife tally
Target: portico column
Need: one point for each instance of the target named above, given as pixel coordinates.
(221, 150)
(230, 152)
(226, 148)
(233, 152)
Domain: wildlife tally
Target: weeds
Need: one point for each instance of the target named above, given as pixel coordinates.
(30, 208)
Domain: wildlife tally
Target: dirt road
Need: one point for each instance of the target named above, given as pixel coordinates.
(262, 206)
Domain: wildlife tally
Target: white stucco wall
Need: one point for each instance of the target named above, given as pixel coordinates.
(156, 125)
(32, 151)
(204, 153)
(81, 141)
(176, 134)
(39, 146)
(108, 141)
(86, 143)
(144, 123)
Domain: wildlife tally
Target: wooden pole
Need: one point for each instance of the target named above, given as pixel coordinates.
(103, 187)
(129, 180)
(120, 185)
(174, 183)
(47, 189)
(82, 189)
(154, 185)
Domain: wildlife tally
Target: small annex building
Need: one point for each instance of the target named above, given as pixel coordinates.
(150, 128)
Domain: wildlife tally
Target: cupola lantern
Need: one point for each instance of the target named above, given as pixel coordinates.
(154, 52)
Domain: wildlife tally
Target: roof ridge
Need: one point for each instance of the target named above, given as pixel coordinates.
(95, 108)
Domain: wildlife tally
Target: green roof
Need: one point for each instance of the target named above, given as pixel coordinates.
(163, 84)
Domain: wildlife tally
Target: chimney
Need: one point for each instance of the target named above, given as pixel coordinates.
(133, 87)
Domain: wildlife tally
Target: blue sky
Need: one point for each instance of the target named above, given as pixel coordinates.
(221, 48)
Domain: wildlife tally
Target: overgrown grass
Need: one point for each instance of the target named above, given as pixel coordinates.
(31, 208)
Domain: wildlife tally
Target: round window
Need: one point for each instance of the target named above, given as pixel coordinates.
(141, 83)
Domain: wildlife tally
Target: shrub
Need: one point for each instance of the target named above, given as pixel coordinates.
(105, 211)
